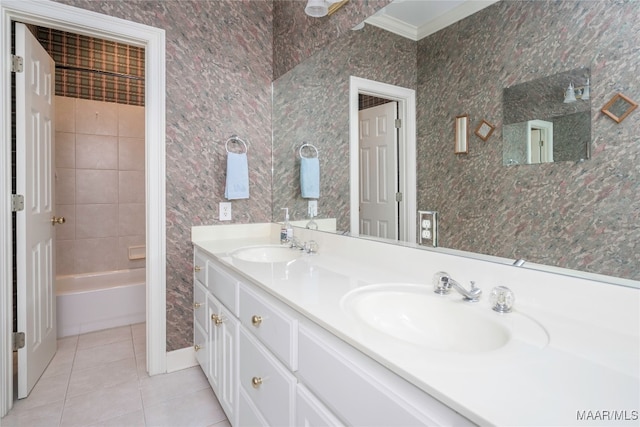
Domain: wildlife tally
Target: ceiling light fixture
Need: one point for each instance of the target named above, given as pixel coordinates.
(320, 8)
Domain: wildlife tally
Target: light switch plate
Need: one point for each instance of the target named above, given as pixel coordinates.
(225, 211)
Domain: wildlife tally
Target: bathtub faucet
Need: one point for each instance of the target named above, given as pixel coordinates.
(442, 284)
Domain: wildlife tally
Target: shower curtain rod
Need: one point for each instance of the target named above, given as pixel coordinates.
(107, 73)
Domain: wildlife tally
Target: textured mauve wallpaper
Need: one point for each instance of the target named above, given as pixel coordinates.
(582, 215)
(219, 72)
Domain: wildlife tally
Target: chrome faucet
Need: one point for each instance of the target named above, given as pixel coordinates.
(442, 284)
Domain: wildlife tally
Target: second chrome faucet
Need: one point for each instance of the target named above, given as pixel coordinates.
(442, 284)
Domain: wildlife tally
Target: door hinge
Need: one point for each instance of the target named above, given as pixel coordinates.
(398, 123)
(17, 202)
(16, 64)
(18, 340)
(398, 197)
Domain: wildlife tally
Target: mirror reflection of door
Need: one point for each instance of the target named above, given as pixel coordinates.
(539, 142)
(378, 152)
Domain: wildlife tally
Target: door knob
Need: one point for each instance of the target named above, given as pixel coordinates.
(58, 220)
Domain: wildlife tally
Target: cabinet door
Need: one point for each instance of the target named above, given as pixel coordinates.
(310, 412)
(223, 356)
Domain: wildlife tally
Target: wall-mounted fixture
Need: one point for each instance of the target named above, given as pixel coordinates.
(320, 8)
(573, 94)
(462, 134)
(619, 107)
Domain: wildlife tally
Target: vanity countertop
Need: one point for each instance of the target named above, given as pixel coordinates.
(587, 372)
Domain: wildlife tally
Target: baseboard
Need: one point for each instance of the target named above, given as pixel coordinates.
(181, 359)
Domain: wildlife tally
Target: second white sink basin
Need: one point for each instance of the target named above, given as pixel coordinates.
(415, 315)
(266, 254)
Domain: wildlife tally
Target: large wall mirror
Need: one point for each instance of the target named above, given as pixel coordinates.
(578, 215)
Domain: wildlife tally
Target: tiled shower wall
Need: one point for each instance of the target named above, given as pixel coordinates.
(100, 185)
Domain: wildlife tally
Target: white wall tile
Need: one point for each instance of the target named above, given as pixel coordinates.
(96, 186)
(65, 114)
(66, 231)
(96, 220)
(65, 150)
(96, 152)
(131, 121)
(131, 187)
(131, 219)
(65, 186)
(131, 154)
(94, 255)
(96, 118)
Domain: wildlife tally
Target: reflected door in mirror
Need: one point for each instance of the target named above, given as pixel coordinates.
(378, 171)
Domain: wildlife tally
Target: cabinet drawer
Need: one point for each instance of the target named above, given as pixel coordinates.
(361, 392)
(223, 286)
(200, 266)
(273, 327)
(200, 305)
(269, 386)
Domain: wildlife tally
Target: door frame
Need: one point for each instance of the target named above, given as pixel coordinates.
(59, 16)
(406, 99)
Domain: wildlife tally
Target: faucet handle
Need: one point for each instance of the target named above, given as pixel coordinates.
(441, 283)
(502, 299)
(311, 247)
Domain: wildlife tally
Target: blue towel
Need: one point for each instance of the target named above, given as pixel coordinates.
(310, 177)
(237, 186)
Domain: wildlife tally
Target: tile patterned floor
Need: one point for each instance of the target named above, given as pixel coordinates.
(99, 379)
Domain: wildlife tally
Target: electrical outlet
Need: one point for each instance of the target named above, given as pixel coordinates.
(225, 211)
(312, 210)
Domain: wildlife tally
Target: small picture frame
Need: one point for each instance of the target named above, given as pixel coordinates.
(484, 130)
(619, 107)
(461, 128)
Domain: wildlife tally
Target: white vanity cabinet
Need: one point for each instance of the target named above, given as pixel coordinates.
(271, 366)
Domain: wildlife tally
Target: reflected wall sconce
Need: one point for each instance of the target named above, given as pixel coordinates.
(573, 94)
(462, 134)
(320, 8)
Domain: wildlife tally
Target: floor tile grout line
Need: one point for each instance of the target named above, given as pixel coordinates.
(66, 391)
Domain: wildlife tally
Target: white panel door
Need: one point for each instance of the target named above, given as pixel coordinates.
(35, 228)
(378, 171)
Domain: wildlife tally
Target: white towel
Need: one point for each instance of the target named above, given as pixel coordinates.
(310, 177)
(237, 186)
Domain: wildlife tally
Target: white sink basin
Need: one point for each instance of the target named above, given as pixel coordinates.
(266, 254)
(417, 316)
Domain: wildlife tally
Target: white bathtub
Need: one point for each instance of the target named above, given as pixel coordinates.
(96, 301)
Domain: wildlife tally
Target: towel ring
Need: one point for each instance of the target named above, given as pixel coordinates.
(235, 138)
(310, 146)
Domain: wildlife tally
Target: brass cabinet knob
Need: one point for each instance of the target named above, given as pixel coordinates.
(256, 382)
(197, 305)
(196, 347)
(256, 320)
(58, 220)
(197, 268)
(217, 319)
